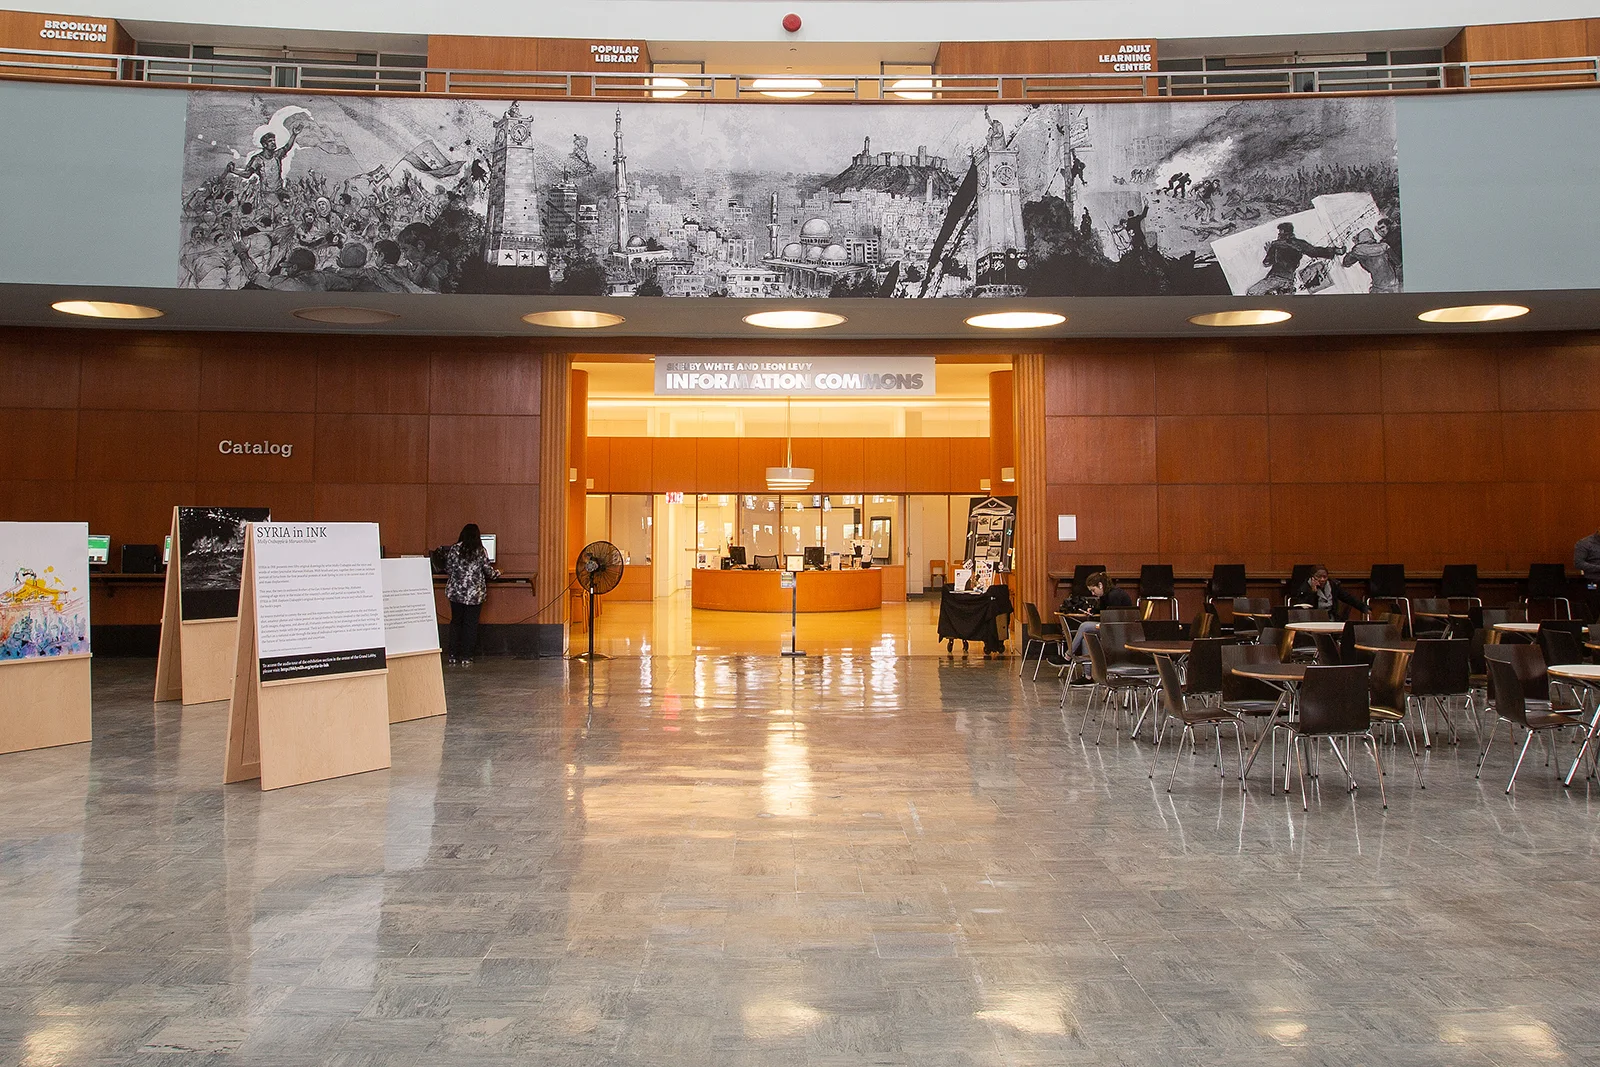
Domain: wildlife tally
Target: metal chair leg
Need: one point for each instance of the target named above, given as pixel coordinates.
(1372, 744)
(1520, 756)
(1298, 744)
(1238, 742)
(1187, 733)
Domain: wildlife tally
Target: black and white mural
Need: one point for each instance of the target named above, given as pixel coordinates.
(384, 194)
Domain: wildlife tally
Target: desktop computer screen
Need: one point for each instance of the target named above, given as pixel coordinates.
(736, 555)
(166, 552)
(816, 558)
(794, 563)
(99, 550)
(489, 545)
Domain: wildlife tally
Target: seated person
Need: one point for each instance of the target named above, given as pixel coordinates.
(1321, 591)
(1106, 595)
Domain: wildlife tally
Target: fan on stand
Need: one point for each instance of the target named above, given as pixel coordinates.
(598, 571)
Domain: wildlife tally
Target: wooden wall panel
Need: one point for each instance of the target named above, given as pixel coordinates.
(927, 465)
(485, 381)
(252, 427)
(290, 501)
(672, 464)
(499, 449)
(39, 376)
(1435, 375)
(969, 466)
(137, 375)
(1442, 448)
(1342, 526)
(1326, 448)
(1101, 449)
(366, 378)
(1455, 522)
(37, 501)
(137, 445)
(1556, 446)
(1319, 378)
(371, 448)
(1573, 508)
(716, 464)
(885, 464)
(511, 512)
(756, 454)
(1211, 448)
(1551, 377)
(38, 442)
(1212, 380)
(1107, 380)
(1117, 525)
(131, 512)
(243, 381)
(631, 468)
(844, 466)
(1200, 523)
(600, 464)
(401, 512)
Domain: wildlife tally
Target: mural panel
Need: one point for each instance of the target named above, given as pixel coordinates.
(384, 194)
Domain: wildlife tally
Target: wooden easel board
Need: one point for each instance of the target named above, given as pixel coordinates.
(44, 635)
(300, 730)
(196, 658)
(416, 686)
(44, 703)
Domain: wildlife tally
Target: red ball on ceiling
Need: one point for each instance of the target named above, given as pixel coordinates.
(791, 22)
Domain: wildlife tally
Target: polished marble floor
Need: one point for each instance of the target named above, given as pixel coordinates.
(714, 861)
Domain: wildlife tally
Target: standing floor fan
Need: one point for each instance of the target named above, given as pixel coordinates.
(598, 571)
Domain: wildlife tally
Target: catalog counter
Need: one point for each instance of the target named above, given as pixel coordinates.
(857, 590)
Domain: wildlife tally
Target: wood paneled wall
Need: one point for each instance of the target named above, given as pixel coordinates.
(419, 435)
(1037, 57)
(20, 29)
(563, 54)
(1345, 451)
(739, 464)
(1559, 39)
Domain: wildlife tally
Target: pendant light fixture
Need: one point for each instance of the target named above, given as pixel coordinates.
(789, 478)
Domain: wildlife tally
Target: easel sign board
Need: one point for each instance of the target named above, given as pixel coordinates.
(199, 623)
(411, 640)
(310, 697)
(44, 635)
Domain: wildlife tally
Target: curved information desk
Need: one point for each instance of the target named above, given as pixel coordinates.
(859, 590)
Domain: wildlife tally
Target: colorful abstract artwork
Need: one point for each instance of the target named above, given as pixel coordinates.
(44, 590)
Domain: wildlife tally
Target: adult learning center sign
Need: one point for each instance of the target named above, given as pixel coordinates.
(832, 377)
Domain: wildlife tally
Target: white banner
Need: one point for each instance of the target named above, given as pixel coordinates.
(827, 377)
(319, 599)
(44, 590)
(409, 620)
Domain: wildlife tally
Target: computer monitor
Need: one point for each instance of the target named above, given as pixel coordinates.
(736, 555)
(99, 550)
(166, 552)
(794, 563)
(816, 558)
(489, 545)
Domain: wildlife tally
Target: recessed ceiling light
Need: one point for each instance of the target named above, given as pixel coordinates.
(794, 319)
(786, 88)
(339, 315)
(573, 319)
(1474, 313)
(1252, 317)
(1016, 320)
(106, 309)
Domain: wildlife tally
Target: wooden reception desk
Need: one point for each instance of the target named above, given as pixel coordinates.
(859, 590)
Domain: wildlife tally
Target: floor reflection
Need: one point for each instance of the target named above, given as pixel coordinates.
(860, 857)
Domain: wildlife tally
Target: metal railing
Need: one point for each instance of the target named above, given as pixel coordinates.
(875, 88)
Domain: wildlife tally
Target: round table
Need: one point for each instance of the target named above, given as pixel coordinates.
(1526, 629)
(1315, 627)
(1161, 648)
(1588, 676)
(1592, 645)
(1287, 677)
(1404, 645)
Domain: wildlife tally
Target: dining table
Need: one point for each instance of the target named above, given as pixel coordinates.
(1286, 677)
(1587, 677)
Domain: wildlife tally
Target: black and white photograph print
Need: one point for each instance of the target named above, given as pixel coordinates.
(210, 553)
(384, 194)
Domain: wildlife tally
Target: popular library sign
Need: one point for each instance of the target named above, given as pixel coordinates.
(836, 376)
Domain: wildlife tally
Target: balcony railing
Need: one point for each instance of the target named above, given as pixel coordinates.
(1023, 88)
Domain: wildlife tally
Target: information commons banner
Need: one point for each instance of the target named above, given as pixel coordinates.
(318, 599)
